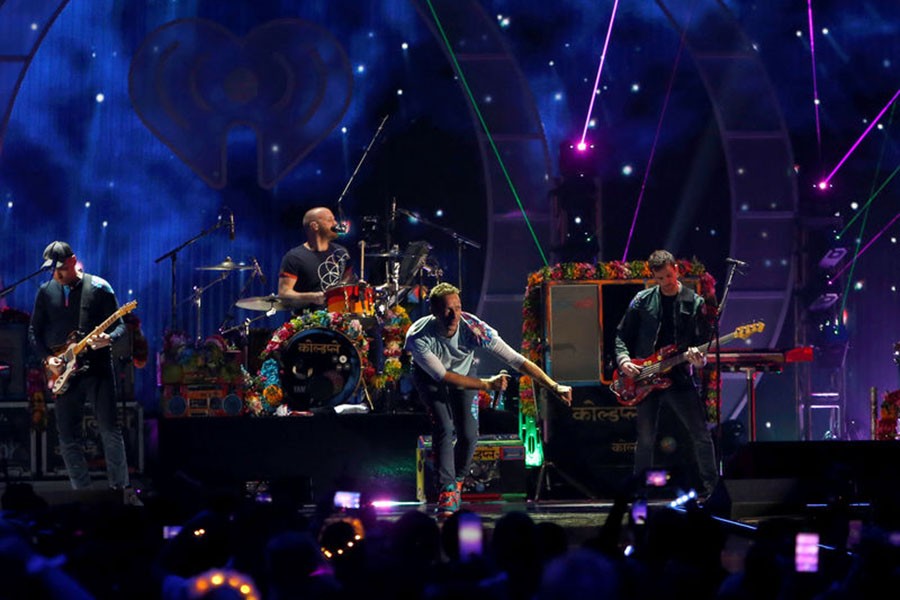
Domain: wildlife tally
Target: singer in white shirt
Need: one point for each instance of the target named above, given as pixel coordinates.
(443, 346)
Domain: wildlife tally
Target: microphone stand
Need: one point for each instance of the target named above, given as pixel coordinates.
(356, 170)
(8, 289)
(173, 254)
(718, 354)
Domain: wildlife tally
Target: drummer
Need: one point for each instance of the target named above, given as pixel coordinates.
(315, 265)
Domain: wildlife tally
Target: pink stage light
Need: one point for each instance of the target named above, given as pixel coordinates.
(581, 146)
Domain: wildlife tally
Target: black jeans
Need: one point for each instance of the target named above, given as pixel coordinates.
(454, 421)
(688, 407)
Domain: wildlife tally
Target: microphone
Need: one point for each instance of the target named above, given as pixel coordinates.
(339, 227)
(497, 402)
(258, 270)
(231, 225)
(736, 262)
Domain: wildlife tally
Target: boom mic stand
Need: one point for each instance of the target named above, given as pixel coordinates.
(8, 289)
(173, 254)
(718, 353)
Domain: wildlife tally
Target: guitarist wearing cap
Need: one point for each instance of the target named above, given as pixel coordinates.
(668, 314)
(68, 311)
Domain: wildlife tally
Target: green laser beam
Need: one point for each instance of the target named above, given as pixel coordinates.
(865, 211)
(487, 132)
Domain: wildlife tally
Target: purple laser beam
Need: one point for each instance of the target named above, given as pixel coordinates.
(824, 184)
(864, 248)
(637, 208)
(590, 111)
(812, 52)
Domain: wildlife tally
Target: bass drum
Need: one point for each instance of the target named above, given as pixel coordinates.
(321, 368)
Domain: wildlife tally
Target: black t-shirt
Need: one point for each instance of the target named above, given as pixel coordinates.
(666, 334)
(315, 271)
(680, 374)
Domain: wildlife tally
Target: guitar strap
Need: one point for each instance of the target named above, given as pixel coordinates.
(87, 292)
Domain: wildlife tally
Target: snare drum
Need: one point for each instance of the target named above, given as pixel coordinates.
(355, 299)
(321, 367)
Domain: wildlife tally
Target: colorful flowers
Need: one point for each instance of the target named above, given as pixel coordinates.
(265, 393)
(886, 428)
(532, 340)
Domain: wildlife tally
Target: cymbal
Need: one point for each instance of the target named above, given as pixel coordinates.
(263, 303)
(226, 265)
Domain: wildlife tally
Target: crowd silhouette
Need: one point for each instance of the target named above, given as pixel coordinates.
(238, 547)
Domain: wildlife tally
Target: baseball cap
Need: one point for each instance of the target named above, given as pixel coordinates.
(56, 254)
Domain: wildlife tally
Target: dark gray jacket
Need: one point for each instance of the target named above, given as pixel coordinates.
(639, 327)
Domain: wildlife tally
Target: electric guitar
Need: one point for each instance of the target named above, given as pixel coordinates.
(59, 383)
(630, 391)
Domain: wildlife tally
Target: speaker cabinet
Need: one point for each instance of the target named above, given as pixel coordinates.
(13, 354)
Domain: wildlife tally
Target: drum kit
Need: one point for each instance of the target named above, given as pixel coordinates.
(321, 366)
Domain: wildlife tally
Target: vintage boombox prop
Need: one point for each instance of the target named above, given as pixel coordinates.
(201, 400)
(188, 391)
(498, 470)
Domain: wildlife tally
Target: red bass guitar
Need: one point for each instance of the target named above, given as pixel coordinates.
(630, 391)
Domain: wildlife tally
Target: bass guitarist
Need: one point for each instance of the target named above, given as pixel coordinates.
(667, 314)
(67, 306)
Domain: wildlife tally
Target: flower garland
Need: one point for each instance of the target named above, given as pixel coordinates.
(396, 324)
(886, 428)
(264, 393)
(184, 360)
(532, 345)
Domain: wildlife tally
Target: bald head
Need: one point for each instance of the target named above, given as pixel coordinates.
(315, 214)
(318, 223)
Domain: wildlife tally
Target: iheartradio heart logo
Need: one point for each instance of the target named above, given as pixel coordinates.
(192, 80)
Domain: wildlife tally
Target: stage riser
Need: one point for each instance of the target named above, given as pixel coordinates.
(373, 454)
(768, 478)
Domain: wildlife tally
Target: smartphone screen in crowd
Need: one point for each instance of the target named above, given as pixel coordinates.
(806, 552)
(471, 536)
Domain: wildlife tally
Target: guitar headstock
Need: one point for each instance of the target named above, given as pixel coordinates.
(744, 331)
(129, 307)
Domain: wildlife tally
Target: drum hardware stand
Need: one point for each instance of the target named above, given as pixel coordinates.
(245, 335)
(173, 254)
(197, 299)
(461, 241)
(230, 316)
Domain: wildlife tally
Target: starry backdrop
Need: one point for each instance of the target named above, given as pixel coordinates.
(78, 161)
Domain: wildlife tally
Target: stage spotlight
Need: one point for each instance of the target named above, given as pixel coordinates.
(824, 302)
(832, 258)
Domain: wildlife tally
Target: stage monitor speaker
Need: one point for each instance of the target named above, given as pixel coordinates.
(749, 498)
(573, 330)
(580, 326)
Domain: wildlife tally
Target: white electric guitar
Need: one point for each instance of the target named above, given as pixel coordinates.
(59, 383)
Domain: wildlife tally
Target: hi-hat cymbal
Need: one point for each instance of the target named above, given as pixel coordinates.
(263, 303)
(226, 265)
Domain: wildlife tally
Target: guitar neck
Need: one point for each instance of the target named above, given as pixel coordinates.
(104, 326)
(672, 361)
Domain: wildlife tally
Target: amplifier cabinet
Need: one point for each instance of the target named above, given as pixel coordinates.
(498, 470)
